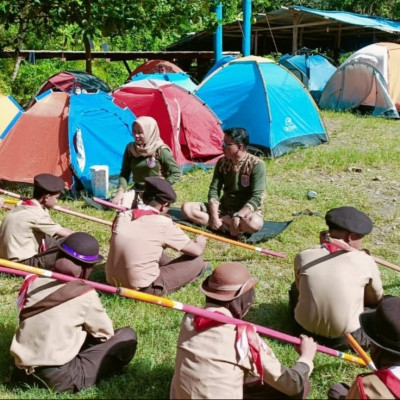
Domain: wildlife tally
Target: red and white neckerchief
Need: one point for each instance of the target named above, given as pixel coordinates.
(28, 202)
(21, 299)
(247, 340)
(331, 247)
(390, 379)
(143, 209)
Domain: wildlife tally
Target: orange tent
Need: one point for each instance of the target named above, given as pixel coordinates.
(25, 150)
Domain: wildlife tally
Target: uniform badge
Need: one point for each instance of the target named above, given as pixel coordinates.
(245, 180)
(151, 162)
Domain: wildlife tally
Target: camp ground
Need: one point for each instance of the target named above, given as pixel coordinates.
(265, 98)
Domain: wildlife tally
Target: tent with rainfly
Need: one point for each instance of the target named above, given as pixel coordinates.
(266, 99)
(10, 113)
(72, 81)
(65, 134)
(313, 70)
(187, 125)
(368, 80)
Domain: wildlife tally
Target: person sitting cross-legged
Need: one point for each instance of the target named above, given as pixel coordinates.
(137, 257)
(65, 339)
(28, 235)
(333, 286)
(241, 177)
(214, 361)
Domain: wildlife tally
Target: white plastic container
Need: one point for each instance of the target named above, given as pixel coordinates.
(99, 180)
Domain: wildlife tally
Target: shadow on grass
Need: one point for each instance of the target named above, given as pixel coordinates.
(139, 380)
(272, 315)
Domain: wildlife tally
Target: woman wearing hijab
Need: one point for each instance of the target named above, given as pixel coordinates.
(147, 156)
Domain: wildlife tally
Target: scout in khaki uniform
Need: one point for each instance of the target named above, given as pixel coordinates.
(137, 259)
(382, 326)
(65, 338)
(332, 286)
(28, 235)
(213, 360)
(242, 178)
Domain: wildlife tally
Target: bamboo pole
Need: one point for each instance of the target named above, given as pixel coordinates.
(22, 269)
(344, 246)
(204, 233)
(360, 351)
(64, 210)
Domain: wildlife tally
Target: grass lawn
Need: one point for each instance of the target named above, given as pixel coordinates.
(360, 166)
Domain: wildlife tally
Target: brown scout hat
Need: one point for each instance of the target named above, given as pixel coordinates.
(349, 219)
(228, 281)
(382, 325)
(82, 247)
(160, 189)
(49, 183)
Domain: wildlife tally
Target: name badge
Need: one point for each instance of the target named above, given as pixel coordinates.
(245, 180)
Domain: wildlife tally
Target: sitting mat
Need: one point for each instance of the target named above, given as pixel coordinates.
(269, 230)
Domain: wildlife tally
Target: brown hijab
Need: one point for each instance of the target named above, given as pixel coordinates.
(152, 139)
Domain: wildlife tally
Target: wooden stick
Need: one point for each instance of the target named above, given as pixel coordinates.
(17, 268)
(200, 232)
(344, 246)
(64, 210)
(360, 351)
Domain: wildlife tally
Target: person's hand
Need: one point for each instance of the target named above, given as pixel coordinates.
(215, 223)
(201, 240)
(118, 198)
(307, 347)
(234, 226)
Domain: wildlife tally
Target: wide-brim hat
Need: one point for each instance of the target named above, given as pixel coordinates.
(349, 219)
(228, 281)
(382, 325)
(82, 247)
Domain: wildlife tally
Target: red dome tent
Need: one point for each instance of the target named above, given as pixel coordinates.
(187, 125)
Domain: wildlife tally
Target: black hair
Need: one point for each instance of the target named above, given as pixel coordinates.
(239, 135)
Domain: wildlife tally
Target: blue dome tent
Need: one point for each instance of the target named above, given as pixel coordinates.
(265, 98)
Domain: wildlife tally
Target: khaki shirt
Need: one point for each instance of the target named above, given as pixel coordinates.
(55, 336)
(136, 247)
(374, 388)
(23, 229)
(333, 289)
(207, 365)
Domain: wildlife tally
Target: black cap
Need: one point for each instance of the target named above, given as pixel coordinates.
(382, 325)
(349, 219)
(158, 189)
(82, 247)
(49, 183)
